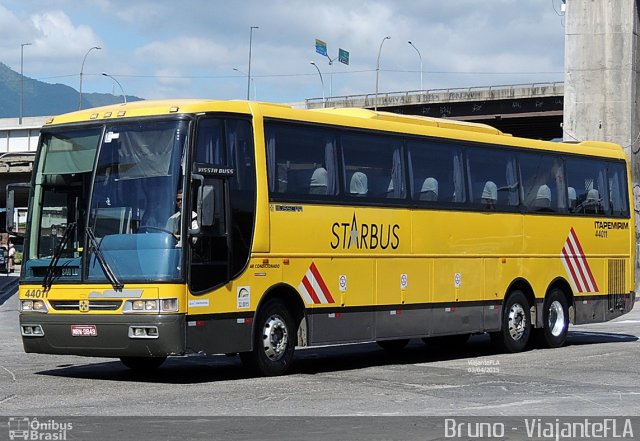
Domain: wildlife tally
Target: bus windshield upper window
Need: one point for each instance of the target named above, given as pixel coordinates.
(70, 152)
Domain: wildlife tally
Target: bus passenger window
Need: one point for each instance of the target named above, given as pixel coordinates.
(543, 187)
(494, 178)
(437, 172)
(372, 166)
(588, 178)
(301, 161)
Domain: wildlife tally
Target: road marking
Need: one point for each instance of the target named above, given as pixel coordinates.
(12, 374)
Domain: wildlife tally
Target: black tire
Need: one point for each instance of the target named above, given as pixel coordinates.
(555, 321)
(393, 345)
(143, 363)
(516, 324)
(274, 341)
(447, 341)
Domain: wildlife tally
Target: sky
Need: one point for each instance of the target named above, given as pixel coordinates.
(190, 48)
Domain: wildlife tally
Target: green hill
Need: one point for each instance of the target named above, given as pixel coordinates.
(42, 99)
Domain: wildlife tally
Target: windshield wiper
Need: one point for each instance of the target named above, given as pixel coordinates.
(117, 285)
(51, 273)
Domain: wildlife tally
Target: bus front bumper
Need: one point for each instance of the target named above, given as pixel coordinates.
(128, 335)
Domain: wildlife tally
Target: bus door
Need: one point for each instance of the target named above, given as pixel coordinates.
(223, 196)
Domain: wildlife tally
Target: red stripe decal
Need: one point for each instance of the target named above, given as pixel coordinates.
(323, 286)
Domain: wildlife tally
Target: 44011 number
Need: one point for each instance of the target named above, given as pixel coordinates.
(36, 294)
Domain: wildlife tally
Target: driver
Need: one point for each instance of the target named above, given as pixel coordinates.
(173, 223)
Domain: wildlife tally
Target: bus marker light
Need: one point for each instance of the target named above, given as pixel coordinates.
(122, 113)
(174, 109)
(265, 261)
(243, 321)
(285, 261)
(169, 305)
(93, 116)
(107, 114)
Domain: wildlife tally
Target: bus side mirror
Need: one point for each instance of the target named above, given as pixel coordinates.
(11, 226)
(204, 205)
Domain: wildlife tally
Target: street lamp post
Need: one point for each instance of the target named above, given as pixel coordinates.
(118, 83)
(321, 81)
(81, 73)
(249, 71)
(22, 80)
(420, 56)
(375, 106)
(255, 93)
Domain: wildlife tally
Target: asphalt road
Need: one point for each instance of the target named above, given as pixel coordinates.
(596, 374)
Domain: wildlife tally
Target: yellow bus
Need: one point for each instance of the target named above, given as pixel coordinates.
(167, 228)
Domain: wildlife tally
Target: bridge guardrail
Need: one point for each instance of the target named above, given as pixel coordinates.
(438, 95)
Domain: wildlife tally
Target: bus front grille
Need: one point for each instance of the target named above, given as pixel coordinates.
(94, 305)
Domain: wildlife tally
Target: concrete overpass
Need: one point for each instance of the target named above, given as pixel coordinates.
(528, 110)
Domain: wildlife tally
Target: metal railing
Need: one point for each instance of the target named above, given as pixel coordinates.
(438, 95)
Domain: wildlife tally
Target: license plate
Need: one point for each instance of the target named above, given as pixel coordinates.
(84, 331)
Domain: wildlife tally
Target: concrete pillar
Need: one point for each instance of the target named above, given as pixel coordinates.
(602, 67)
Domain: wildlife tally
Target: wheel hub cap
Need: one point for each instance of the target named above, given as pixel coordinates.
(517, 321)
(556, 319)
(275, 338)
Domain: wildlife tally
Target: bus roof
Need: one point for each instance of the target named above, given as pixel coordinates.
(342, 116)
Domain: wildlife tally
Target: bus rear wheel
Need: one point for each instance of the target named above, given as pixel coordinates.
(143, 363)
(555, 321)
(274, 341)
(516, 324)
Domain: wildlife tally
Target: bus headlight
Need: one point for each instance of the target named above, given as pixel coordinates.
(162, 305)
(34, 306)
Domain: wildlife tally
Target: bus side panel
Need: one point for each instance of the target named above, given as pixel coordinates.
(459, 283)
(404, 288)
(344, 292)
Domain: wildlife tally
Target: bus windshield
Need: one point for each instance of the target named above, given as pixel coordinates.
(122, 225)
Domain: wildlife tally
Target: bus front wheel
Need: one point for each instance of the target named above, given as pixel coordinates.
(555, 321)
(274, 341)
(516, 324)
